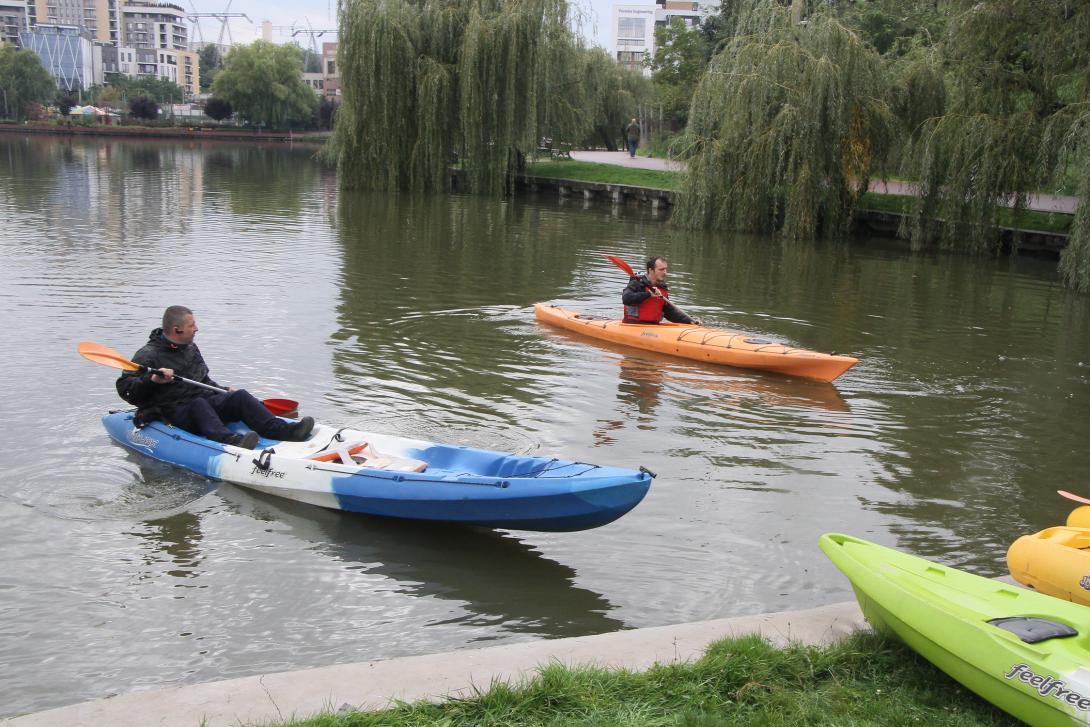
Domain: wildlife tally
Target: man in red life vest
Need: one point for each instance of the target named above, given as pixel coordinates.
(645, 297)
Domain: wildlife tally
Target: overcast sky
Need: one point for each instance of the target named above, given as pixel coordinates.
(321, 15)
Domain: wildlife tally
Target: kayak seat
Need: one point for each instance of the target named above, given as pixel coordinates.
(516, 466)
(362, 453)
(1032, 629)
(339, 455)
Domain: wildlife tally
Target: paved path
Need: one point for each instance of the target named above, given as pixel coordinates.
(1039, 202)
(372, 685)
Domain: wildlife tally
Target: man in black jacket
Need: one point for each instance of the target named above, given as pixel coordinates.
(170, 351)
(645, 298)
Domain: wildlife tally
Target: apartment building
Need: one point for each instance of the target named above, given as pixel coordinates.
(98, 18)
(634, 27)
(158, 35)
(13, 20)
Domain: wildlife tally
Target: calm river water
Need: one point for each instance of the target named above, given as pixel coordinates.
(969, 408)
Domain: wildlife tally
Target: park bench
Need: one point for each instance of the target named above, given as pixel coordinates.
(558, 151)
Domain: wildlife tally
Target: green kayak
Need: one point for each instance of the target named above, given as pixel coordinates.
(1020, 650)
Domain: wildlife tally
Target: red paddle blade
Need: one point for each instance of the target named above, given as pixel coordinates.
(106, 356)
(1073, 497)
(622, 265)
(281, 407)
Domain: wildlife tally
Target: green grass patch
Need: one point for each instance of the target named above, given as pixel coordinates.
(604, 173)
(1055, 222)
(865, 680)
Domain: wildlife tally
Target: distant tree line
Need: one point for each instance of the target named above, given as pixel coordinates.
(261, 82)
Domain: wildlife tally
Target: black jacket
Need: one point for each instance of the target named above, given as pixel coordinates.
(638, 290)
(138, 389)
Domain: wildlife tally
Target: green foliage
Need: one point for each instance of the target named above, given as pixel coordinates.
(865, 680)
(210, 63)
(327, 113)
(312, 62)
(895, 27)
(143, 107)
(157, 89)
(217, 108)
(65, 104)
(681, 56)
(23, 81)
(264, 84)
(1017, 81)
(786, 127)
(591, 98)
(108, 97)
(426, 82)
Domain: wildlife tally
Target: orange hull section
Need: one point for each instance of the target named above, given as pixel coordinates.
(730, 348)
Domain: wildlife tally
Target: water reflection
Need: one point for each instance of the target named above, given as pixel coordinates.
(644, 374)
(178, 537)
(432, 310)
(260, 181)
(501, 580)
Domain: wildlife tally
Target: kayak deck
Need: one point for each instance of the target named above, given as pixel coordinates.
(1018, 649)
(730, 348)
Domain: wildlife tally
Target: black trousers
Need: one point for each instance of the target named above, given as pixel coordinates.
(206, 416)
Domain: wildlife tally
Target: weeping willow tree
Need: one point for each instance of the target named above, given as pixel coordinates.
(592, 98)
(1018, 76)
(785, 128)
(428, 82)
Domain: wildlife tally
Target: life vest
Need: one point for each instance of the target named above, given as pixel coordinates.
(649, 311)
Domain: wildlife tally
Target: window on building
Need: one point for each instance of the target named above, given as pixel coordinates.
(631, 28)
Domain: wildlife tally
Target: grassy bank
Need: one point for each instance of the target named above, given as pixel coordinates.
(1056, 222)
(865, 680)
(614, 174)
(605, 173)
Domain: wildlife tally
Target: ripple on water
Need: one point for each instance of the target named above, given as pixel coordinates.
(107, 484)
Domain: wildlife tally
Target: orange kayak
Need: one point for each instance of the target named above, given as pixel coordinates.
(730, 348)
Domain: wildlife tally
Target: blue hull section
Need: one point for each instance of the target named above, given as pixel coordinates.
(459, 485)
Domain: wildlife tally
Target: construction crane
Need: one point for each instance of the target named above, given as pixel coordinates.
(223, 17)
(314, 36)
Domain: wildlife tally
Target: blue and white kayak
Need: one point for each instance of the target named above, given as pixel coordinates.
(376, 474)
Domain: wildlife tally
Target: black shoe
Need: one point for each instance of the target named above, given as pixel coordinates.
(245, 441)
(300, 431)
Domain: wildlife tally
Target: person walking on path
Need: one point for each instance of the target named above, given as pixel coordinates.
(170, 351)
(632, 135)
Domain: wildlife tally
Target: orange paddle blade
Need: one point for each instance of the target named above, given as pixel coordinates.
(622, 265)
(104, 355)
(1074, 497)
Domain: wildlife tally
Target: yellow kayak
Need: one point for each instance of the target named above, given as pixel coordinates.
(1054, 561)
(730, 348)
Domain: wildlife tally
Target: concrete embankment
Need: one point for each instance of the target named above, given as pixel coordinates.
(372, 685)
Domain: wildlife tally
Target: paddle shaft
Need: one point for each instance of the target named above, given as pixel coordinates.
(106, 356)
(187, 381)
